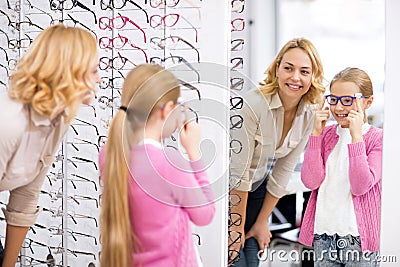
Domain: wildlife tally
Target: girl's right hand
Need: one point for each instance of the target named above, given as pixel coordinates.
(190, 138)
(321, 117)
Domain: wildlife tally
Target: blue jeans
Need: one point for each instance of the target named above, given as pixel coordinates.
(1, 253)
(248, 254)
(330, 251)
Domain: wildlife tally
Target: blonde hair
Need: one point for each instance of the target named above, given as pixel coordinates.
(270, 85)
(146, 88)
(356, 76)
(52, 76)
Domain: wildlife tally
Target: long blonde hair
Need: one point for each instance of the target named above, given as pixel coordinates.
(146, 88)
(270, 85)
(52, 76)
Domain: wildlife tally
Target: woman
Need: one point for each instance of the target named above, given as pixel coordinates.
(277, 120)
(56, 75)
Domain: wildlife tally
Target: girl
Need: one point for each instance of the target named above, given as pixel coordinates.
(151, 193)
(55, 76)
(277, 121)
(342, 165)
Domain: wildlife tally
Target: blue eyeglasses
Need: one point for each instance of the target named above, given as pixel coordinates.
(346, 100)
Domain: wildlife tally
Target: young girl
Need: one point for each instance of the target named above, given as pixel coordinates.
(342, 165)
(56, 75)
(150, 192)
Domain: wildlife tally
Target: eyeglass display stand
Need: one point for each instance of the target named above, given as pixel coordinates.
(65, 205)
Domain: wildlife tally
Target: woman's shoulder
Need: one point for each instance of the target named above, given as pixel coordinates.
(255, 98)
(12, 106)
(254, 104)
(12, 115)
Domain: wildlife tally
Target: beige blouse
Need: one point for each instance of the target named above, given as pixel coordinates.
(259, 136)
(28, 142)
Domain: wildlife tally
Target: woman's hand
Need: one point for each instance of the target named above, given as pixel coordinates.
(356, 120)
(321, 117)
(261, 233)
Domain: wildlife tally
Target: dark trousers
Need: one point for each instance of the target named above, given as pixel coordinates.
(255, 200)
(1, 253)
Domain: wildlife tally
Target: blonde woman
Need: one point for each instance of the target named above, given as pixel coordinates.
(151, 193)
(277, 120)
(56, 75)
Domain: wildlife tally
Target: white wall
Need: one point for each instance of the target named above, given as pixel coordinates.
(262, 36)
(391, 147)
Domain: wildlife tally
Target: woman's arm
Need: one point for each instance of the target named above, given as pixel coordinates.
(14, 238)
(283, 170)
(276, 188)
(12, 126)
(10, 137)
(21, 212)
(242, 146)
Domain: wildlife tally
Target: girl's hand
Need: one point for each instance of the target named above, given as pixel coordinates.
(190, 137)
(356, 119)
(321, 117)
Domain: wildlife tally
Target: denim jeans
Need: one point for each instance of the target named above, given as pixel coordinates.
(1, 253)
(248, 254)
(341, 251)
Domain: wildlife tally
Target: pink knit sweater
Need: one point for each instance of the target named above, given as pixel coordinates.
(365, 174)
(166, 193)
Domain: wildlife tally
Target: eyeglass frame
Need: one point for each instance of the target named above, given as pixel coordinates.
(234, 28)
(125, 20)
(75, 21)
(163, 46)
(164, 2)
(178, 18)
(339, 98)
(112, 6)
(237, 83)
(179, 59)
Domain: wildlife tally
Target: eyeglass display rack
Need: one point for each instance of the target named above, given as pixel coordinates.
(239, 82)
(129, 32)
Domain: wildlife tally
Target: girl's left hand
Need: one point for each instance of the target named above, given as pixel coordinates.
(356, 119)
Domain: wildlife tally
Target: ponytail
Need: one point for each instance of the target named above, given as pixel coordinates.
(116, 234)
(145, 88)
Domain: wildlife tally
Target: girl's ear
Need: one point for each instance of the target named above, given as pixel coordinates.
(368, 102)
(168, 107)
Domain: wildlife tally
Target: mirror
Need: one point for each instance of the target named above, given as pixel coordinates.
(345, 33)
